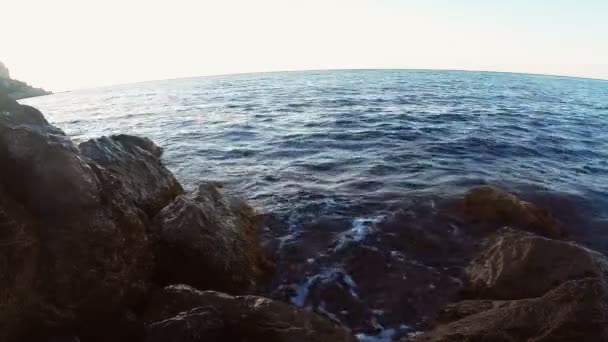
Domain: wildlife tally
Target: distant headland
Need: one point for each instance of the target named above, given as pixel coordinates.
(17, 89)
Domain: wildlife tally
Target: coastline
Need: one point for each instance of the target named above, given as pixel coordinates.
(162, 245)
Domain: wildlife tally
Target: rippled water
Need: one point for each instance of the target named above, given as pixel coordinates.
(352, 168)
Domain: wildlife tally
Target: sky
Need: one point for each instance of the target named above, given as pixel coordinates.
(70, 44)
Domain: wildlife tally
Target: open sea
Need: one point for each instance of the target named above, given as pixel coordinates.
(358, 173)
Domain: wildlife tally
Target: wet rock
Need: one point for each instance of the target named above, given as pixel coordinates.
(19, 253)
(181, 313)
(496, 207)
(208, 240)
(73, 250)
(515, 264)
(523, 287)
(577, 310)
(136, 162)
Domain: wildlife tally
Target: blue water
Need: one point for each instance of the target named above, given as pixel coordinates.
(341, 151)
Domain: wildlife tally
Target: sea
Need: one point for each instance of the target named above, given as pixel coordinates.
(357, 174)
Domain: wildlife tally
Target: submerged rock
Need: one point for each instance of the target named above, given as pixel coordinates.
(74, 250)
(136, 162)
(523, 287)
(181, 313)
(498, 208)
(208, 240)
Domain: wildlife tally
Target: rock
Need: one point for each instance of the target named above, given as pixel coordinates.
(181, 313)
(577, 310)
(39, 162)
(523, 287)
(455, 311)
(136, 162)
(497, 208)
(19, 254)
(208, 240)
(74, 250)
(16, 89)
(515, 265)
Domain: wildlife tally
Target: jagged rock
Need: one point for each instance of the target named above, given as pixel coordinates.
(577, 310)
(523, 287)
(515, 264)
(180, 313)
(136, 162)
(208, 240)
(74, 251)
(496, 207)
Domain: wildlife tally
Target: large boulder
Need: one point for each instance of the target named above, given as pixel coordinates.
(136, 162)
(496, 208)
(74, 250)
(180, 313)
(208, 240)
(577, 310)
(523, 287)
(41, 166)
(515, 265)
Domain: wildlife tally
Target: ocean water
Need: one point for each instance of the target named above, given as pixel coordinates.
(356, 172)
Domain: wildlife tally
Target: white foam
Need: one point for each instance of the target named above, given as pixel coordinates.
(378, 312)
(414, 334)
(385, 335)
(328, 275)
(324, 311)
(286, 238)
(398, 255)
(360, 229)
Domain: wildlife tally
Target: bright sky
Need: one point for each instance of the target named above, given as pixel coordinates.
(69, 44)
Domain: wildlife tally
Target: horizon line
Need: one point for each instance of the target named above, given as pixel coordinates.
(327, 70)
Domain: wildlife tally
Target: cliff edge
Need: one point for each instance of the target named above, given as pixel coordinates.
(17, 89)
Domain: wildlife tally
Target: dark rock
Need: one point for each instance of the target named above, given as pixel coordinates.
(16, 89)
(74, 251)
(455, 311)
(529, 288)
(39, 162)
(65, 339)
(577, 310)
(515, 265)
(497, 208)
(180, 313)
(15, 114)
(136, 162)
(208, 240)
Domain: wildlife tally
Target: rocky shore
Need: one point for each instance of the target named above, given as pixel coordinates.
(100, 242)
(15, 88)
